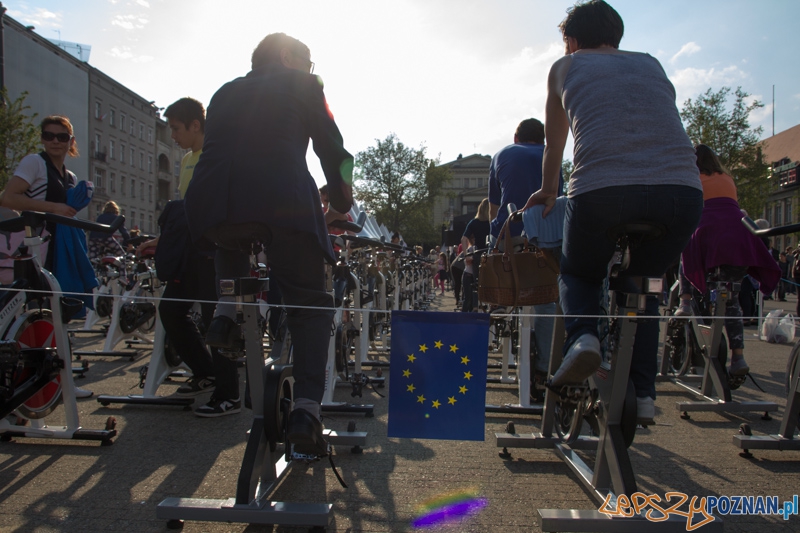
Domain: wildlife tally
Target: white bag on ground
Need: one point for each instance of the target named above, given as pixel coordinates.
(778, 327)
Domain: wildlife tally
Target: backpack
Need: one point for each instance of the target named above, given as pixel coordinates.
(175, 250)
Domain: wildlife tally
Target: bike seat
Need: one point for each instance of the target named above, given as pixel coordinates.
(643, 231)
(240, 237)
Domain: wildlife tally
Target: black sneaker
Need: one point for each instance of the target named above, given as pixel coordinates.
(195, 387)
(224, 333)
(217, 407)
(305, 432)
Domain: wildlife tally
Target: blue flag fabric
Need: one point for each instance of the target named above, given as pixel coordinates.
(437, 376)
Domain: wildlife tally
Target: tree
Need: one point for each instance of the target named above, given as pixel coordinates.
(709, 120)
(19, 136)
(399, 185)
(567, 167)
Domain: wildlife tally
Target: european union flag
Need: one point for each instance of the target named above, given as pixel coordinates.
(437, 376)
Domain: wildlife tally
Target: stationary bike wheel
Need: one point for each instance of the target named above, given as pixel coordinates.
(568, 418)
(676, 347)
(35, 329)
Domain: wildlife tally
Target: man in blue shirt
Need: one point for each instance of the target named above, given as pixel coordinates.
(515, 174)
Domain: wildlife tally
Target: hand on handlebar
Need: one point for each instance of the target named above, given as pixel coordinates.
(548, 200)
(63, 209)
(152, 243)
(331, 214)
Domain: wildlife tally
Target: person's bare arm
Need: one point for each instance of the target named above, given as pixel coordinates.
(556, 129)
(493, 209)
(16, 199)
(464, 243)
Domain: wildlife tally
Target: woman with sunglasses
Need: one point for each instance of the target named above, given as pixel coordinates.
(41, 180)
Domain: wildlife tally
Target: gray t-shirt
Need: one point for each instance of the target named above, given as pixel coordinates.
(621, 110)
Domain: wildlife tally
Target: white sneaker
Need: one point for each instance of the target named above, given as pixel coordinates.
(581, 361)
(683, 310)
(645, 411)
(83, 393)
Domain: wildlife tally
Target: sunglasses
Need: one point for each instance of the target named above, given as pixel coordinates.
(61, 137)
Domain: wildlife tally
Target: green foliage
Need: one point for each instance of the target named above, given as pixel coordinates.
(710, 121)
(19, 136)
(566, 171)
(399, 185)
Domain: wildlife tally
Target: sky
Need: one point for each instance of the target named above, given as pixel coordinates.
(454, 76)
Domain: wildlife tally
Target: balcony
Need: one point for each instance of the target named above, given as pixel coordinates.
(100, 156)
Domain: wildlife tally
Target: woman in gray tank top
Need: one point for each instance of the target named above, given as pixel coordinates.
(633, 163)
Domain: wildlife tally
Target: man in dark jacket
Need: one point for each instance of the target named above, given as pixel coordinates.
(252, 179)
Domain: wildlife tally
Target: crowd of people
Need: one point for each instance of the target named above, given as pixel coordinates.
(245, 178)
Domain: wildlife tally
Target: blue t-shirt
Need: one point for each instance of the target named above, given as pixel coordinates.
(478, 230)
(515, 174)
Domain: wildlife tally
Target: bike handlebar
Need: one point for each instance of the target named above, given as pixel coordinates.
(36, 219)
(769, 232)
(346, 225)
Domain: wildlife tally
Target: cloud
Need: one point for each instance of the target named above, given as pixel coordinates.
(129, 22)
(686, 50)
(40, 18)
(126, 53)
(143, 3)
(690, 82)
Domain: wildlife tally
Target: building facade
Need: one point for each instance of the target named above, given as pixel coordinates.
(462, 194)
(123, 153)
(56, 82)
(782, 152)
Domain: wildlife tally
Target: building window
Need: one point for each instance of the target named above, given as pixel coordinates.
(141, 221)
(133, 127)
(150, 223)
(121, 153)
(122, 122)
(97, 110)
(788, 214)
(98, 178)
(133, 219)
(133, 156)
(141, 132)
(150, 135)
(150, 164)
(133, 188)
(97, 142)
(111, 149)
(111, 185)
(150, 192)
(122, 186)
(111, 117)
(141, 192)
(141, 160)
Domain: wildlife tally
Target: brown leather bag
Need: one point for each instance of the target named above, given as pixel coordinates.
(515, 279)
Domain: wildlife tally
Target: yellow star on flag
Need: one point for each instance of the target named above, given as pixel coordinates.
(410, 388)
(423, 348)
(462, 389)
(406, 373)
(453, 348)
(467, 375)
(451, 400)
(438, 344)
(412, 358)
(465, 360)
(436, 403)
(420, 399)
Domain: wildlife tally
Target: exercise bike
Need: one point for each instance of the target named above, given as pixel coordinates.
(268, 455)
(695, 341)
(607, 402)
(785, 439)
(35, 354)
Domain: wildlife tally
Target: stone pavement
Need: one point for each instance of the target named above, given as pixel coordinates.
(165, 451)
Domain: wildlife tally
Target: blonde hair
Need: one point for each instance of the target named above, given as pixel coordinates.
(483, 211)
(111, 207)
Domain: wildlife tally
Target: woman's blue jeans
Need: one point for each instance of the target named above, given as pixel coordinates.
(587, 250)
